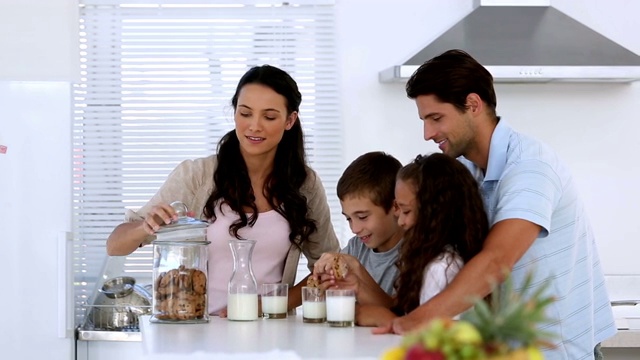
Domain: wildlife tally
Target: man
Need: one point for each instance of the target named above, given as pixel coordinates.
(538, 223)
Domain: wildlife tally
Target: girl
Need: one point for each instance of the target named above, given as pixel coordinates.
(447, 229)
(258, 186)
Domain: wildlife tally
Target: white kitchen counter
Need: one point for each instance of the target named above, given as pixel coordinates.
(623, 339)
(282, 339)
(267, 338)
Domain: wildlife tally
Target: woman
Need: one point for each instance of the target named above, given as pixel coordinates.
(258, 186)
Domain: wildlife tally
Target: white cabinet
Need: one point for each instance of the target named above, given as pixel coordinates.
(108, 350)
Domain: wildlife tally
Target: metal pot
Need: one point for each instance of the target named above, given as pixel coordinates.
(118, 304)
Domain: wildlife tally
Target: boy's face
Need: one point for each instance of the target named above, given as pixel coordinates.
(376, 228)
(407, 204)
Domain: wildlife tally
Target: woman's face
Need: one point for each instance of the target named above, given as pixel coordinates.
(406, 202)
(261, 120)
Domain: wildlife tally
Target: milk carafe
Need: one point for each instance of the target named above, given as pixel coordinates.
(242, 301)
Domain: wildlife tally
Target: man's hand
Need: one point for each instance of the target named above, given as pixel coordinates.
(373, 315)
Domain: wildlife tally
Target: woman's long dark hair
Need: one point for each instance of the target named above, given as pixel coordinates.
(450, 218)
(282, 186)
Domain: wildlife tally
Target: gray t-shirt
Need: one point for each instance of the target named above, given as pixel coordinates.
(380, 265)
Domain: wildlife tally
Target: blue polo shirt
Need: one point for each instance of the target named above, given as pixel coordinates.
(526, 180)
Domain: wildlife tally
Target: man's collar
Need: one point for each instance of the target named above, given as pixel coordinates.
(498, 151)
(497, 154)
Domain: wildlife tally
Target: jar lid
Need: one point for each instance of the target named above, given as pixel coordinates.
(184, 236)
(184, 222)
(185, 229)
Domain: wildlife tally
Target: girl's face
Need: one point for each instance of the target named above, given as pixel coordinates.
(261, 120)
(407, 204)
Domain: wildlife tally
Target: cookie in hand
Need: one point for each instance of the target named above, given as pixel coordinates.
(340, 267)
(312, 282)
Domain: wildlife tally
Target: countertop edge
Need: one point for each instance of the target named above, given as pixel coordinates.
(623, 339)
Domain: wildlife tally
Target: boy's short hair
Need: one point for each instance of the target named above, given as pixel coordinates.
(371, 175)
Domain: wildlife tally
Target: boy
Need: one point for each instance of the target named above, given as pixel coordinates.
(366, 193)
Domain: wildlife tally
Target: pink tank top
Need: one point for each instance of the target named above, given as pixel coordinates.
(271, 232)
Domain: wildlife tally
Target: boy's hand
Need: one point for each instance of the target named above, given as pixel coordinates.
(334, 264)
(335, 270)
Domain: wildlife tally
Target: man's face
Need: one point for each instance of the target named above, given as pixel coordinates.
(376, 228)
(452, 130)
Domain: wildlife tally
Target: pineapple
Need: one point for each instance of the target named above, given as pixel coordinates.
(508, 324)
(504, 329)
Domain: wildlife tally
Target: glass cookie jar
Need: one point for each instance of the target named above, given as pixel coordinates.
(180, 262)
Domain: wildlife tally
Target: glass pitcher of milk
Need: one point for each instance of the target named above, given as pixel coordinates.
(242, 300)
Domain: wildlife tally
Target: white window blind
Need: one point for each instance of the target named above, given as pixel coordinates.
(156, 85)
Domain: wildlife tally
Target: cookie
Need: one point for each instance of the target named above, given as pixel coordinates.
(199, 282)
(180, 294)
(312, 282)
(339, 267)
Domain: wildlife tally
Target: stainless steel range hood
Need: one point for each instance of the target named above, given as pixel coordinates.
(528, 43)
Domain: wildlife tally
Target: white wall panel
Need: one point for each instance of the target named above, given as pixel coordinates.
(593, 127)
(39, 40)
(35, 208)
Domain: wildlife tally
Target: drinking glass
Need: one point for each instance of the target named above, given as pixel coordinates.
(274, 301)
(341, 307)
(314, 306)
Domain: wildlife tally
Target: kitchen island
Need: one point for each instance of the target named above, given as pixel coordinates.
(280, 339)
(290, 338)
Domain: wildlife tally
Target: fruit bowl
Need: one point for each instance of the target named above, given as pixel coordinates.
(505, 328)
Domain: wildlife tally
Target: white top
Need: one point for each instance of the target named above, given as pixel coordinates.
(438, 274)
(279, 339)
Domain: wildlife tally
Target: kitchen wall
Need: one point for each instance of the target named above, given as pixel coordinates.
(593, 127)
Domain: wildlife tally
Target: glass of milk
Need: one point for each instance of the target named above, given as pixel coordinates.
(341, 307)
(274, 301)
(314, 306)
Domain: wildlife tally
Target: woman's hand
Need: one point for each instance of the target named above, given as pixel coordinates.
(161, 214)
(223, 313)
(129, 236)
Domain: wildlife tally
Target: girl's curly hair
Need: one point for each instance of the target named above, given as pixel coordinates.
(450, 218)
